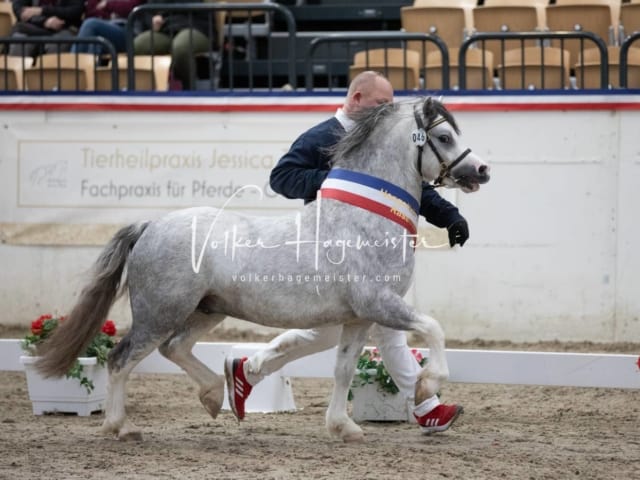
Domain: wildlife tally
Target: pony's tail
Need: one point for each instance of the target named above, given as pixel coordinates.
(73, 336)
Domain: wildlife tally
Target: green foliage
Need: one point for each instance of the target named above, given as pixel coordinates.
(370, 369)
(43, 327)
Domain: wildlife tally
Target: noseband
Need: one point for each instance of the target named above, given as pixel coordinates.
(422, 136)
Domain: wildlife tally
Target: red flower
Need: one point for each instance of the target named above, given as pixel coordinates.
(417, 355)
(109, 328)
(36, 326)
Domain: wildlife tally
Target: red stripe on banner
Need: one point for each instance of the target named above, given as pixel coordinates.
(158, 106)
(531, 107)
(142, 107)
(368, 204)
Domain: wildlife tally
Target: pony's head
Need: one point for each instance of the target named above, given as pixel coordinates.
(437, 137)
(387, 137)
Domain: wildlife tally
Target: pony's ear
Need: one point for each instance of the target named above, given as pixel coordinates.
(429, 109)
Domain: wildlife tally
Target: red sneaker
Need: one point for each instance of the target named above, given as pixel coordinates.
(439, 419)
(238, 389)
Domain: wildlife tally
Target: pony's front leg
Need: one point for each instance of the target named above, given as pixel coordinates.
(390, 310)
(337, 420)
(436, 370)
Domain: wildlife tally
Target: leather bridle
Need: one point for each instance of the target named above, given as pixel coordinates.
(422, 136)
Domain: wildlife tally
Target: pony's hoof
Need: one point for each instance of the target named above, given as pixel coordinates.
(347, 431)
(109, 429)
(212, 401)
(426, 388)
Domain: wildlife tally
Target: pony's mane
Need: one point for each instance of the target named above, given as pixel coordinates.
(367, 119)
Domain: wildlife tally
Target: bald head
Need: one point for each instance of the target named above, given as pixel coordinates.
(367, 89)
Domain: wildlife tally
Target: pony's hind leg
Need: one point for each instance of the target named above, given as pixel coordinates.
(122, 360)
(153, 323)
(178, 349)
(338, 421)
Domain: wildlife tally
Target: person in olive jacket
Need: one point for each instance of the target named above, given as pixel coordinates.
(183, 35)
(56, 18)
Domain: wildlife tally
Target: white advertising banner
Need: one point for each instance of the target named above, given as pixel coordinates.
(126, 167)
(134, 174)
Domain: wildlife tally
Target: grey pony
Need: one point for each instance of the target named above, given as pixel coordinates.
(332, 263)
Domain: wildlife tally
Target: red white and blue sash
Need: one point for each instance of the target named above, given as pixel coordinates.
(373, 194)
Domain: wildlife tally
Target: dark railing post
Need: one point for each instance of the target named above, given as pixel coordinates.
(624, 58)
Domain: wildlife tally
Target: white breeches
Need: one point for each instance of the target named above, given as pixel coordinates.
(294, 344)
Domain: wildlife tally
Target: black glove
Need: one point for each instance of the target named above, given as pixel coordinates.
(458, 232)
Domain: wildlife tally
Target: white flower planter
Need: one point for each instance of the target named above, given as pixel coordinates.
(369, 403)
(63, 394)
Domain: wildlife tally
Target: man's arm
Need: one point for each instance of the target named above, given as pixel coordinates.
(298, 174)
(443, 214)
(301, 171)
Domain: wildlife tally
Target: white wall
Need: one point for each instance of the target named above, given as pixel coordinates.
(551, 252)
(552, 235)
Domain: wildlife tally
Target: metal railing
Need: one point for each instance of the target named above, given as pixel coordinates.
(217, 60)
(364, 40)
(338, 48)
(109, 52)
(480, 39)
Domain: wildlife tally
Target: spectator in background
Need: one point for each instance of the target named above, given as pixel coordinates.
(107, 19)
(55, 18)
(183, 35)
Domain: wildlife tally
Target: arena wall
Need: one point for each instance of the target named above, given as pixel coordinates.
(551, 253)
